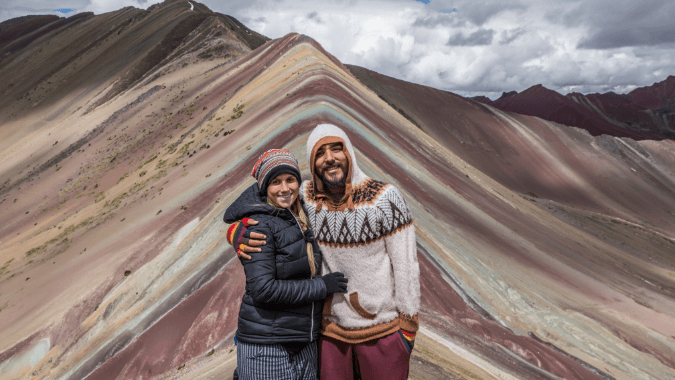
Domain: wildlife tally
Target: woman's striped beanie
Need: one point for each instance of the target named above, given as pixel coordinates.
(273, 163)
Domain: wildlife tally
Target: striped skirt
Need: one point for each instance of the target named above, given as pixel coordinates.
(273, 362)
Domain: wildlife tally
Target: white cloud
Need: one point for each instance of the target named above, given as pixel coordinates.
(485, 47)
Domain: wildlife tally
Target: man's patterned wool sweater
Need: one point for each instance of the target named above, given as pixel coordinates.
(370, 237)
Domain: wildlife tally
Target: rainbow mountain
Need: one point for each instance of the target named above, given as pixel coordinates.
(545, 252)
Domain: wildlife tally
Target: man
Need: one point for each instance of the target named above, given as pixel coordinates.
(365, 230)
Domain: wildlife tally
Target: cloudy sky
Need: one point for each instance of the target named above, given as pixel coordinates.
(465, 46)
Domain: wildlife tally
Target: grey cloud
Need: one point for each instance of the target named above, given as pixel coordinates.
(477, 38)
(620, 23)
(643, 36)
(314, 15)
(508, 36)
(478, 13)
(573, 14)
(434, 20)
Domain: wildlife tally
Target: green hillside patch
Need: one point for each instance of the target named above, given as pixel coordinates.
(99, 197)
(62, 241)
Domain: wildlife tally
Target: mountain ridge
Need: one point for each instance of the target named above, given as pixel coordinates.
(645, 113)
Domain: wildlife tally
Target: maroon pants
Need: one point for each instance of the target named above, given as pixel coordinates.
(384, 358)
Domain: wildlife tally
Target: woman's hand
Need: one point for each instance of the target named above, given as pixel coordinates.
(336, 282)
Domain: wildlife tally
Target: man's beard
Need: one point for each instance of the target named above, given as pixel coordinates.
(338, 183)
(334, 184)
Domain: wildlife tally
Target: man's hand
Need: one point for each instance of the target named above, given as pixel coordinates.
(243, 240)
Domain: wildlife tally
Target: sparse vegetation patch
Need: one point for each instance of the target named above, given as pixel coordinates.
(5, 267)
(237, 111)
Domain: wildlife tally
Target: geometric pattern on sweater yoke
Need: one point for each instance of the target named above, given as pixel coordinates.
(379, 210)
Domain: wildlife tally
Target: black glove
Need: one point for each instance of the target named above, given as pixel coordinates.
(335, 282)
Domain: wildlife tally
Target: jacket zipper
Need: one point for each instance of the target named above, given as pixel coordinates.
(311, 317)
(311, 338)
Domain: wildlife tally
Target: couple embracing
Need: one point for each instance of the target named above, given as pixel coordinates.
(332, 280)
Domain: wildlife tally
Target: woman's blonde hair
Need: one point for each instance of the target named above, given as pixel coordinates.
(301, 217)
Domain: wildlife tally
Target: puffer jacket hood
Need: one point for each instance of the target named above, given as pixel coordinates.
(249, 203)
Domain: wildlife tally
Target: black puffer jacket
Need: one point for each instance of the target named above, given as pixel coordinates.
(281, 303)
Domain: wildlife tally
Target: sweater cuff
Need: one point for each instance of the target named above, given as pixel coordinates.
(408, 323)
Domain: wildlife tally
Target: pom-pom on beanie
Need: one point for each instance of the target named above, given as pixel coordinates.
(273, 163)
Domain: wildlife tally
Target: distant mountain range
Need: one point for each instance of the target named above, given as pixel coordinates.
(646, 113)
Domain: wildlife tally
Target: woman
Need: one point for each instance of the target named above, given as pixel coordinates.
(280, 314)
